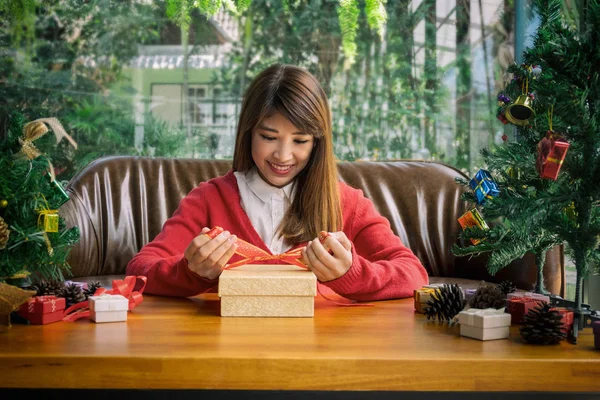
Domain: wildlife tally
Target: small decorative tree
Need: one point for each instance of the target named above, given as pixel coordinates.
(519, 215)
(554, 102)
(34, 241)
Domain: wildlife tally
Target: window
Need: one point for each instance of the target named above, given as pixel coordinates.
(199, 108)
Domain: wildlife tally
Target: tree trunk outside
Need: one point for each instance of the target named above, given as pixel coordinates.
(540, 260)
(248, 36)
(580, 262)
(463, 85)
(185, 94)
(430, 74)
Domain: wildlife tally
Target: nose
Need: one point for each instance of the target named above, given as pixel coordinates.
(283, 152)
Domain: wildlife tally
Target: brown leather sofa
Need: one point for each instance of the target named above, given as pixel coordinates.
(120, 203)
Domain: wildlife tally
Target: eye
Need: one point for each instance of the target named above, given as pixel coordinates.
(267, 138)
(300, 141)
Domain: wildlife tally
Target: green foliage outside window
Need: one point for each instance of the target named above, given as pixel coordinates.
(66, 61)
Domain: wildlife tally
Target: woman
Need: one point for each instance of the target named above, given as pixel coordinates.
(282, 191)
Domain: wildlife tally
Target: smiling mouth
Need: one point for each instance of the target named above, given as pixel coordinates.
(280, 168)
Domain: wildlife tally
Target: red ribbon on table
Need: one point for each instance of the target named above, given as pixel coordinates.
(124, 287)
(254, 254)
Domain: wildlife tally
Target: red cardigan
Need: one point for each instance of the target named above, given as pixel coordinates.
(382, 267)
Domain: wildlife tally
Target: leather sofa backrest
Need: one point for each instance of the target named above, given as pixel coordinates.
(120, 203)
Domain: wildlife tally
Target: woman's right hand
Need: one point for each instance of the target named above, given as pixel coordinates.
(207, 257)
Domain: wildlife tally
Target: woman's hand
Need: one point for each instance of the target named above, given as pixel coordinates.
(207, 257)
(331, 259)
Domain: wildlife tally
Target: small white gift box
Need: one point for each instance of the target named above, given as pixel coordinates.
(488, 324)
(108, 308)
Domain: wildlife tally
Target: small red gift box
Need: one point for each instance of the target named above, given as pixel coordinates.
(567, 318)
(518, 307)
(555, 159)
(41, 310)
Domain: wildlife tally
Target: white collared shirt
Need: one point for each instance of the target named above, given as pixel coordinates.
(265, 206)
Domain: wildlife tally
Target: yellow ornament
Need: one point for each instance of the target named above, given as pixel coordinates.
(3, 203)
(519, 112)
(51, 222)
(34, 130)
(571, 212)
(514, 173)
(47, 218)
(4, 233)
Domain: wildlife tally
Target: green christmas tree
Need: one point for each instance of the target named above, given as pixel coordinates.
(34, 241)
(547, 175)
(518, 215)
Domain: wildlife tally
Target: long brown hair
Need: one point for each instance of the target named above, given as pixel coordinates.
(298, 96)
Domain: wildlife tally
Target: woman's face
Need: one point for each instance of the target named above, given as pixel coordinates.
(280, 150)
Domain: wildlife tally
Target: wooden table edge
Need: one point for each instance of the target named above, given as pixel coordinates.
(243, 373)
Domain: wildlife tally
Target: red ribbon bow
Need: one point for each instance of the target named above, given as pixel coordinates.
(124, 287)
(254, 254)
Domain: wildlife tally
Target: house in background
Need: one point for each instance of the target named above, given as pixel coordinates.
(157, 75)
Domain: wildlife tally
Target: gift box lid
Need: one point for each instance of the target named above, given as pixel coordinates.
(528, 295)
(267, 280)
(433, 286)
(43, 305)
(108, 302)
(562, 310)
(520, 302)
(486, 318)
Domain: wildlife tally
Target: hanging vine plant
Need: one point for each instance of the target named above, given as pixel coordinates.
(20, 18)
(348, 16)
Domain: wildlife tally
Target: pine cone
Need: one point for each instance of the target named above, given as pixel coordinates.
(72, 294)
(507, 287)
(47, 287)
(57, 287)
(91, 288)
(488, 296)
(4, 233)
(542, 325)
(446, 302)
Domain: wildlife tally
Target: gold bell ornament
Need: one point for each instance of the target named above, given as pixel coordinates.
(519, 112)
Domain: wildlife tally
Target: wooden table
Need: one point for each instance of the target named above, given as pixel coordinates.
(184, 343)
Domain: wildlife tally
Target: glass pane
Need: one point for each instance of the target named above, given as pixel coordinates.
(424, 89)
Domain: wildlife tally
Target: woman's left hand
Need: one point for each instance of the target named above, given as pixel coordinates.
(331, 259)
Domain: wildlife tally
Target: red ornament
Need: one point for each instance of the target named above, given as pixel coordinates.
(504, 137)
(501, 117)
(552, 150)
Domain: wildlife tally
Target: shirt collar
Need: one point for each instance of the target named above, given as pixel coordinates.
(263, 190)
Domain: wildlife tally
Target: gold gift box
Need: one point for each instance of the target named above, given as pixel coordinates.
(267, 291)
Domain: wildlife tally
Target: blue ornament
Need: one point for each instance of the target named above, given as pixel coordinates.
(484, 186)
